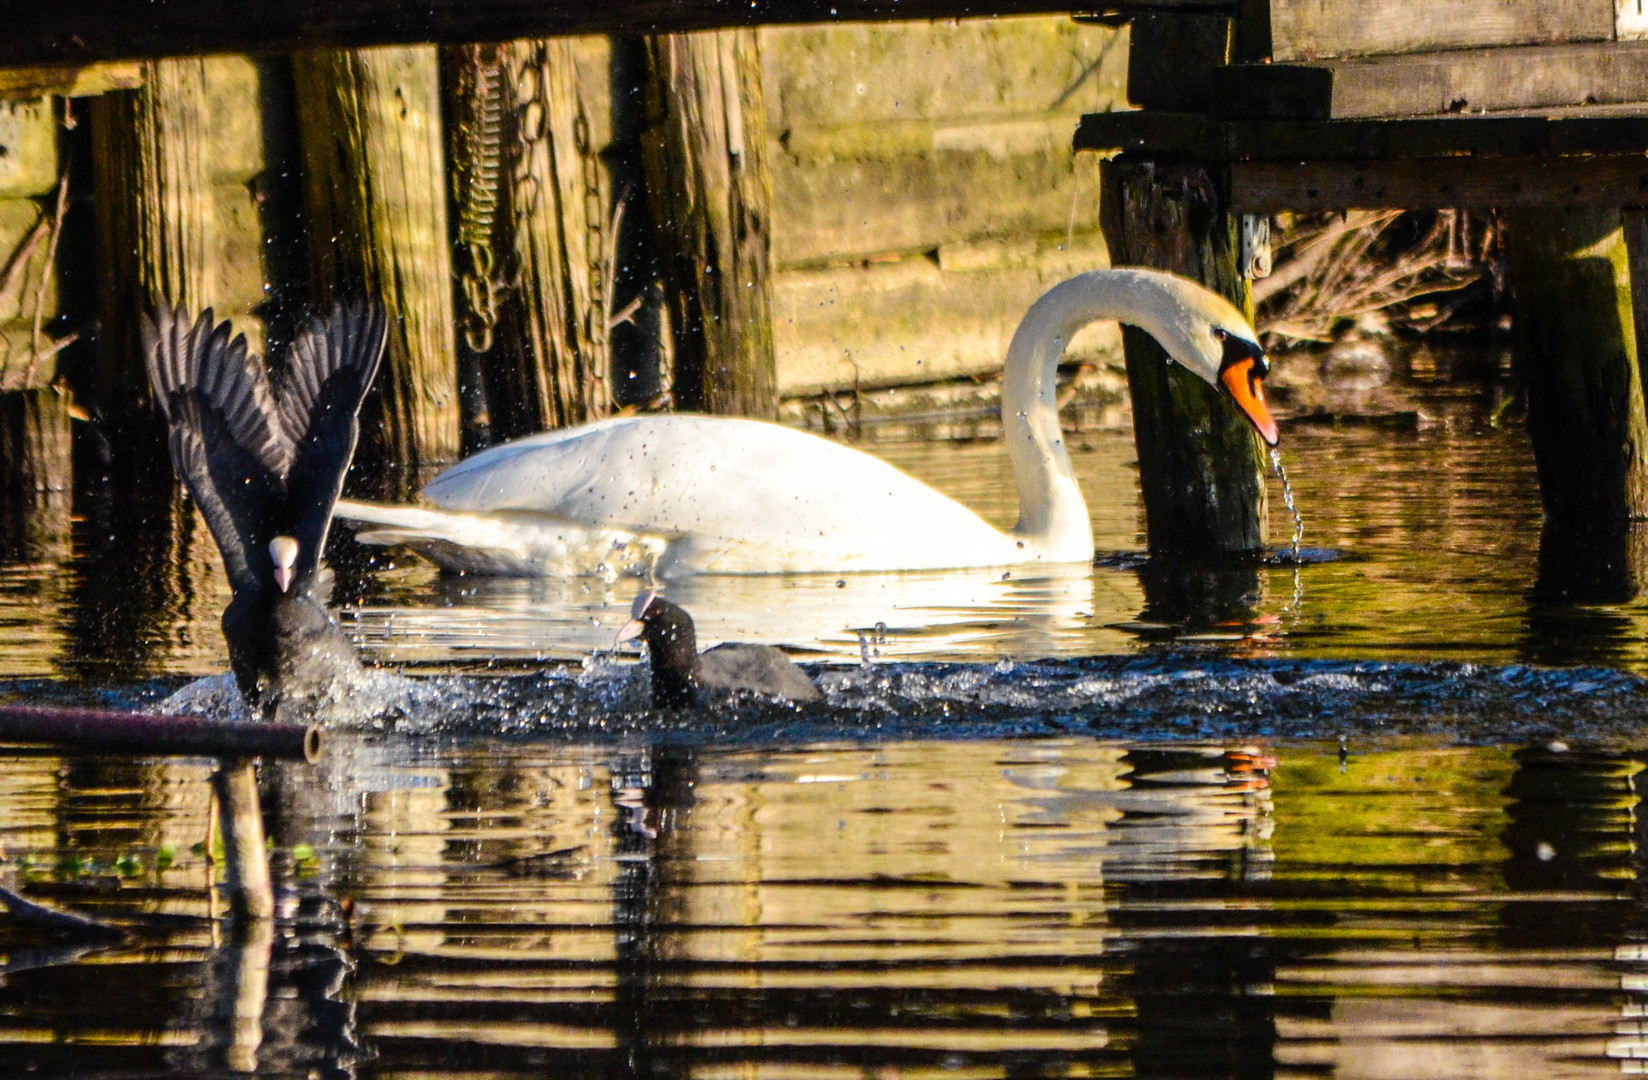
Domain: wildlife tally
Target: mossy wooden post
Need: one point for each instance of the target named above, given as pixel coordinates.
(1577, 350)
(245, 856)
(531, 204)
(35, 469)
(152, 182)
(369, 124)
(1201, 468)
(1576, 347)
(706, 163)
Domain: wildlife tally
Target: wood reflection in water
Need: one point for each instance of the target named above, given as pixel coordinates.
(941, 908)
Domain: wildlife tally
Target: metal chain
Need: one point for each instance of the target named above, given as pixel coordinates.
(480, 156)
(599, 397)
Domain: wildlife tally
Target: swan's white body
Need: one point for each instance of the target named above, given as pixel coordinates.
(681, 494)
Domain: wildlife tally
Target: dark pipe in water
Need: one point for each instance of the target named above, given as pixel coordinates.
(149, 734)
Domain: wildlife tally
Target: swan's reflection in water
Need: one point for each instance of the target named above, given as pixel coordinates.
(956, 614)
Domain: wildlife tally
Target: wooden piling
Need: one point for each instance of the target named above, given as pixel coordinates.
(711, 192)
(531, 210)
(246, 883)
(35, 468)
(1201, 469)
(1576, 347)
(375, 192)
(171, 165)
(37, 474)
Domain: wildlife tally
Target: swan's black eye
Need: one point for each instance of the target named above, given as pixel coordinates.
(1221, 333)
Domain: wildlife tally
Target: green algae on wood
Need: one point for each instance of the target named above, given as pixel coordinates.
(1201, 471)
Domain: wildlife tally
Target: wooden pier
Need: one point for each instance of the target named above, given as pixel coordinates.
(1534, 109)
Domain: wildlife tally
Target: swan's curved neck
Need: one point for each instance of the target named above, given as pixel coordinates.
(1053, 522)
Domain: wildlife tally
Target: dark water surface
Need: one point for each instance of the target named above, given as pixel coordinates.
(1046, 907)
(1371, 817)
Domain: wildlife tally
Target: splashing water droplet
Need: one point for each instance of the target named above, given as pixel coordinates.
(1287, 500)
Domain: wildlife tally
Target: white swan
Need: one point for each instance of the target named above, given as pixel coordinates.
(681, 494)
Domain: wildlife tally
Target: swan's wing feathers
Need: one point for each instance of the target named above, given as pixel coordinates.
(330, 368)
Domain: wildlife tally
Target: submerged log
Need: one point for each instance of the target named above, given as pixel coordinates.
(1576, 346)
(63, 923)
(1200, 465)
(370, 128)
(711, 194)
(109, 731)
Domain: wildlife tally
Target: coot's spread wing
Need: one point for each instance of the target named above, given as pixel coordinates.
(225, 439)
(330, 367)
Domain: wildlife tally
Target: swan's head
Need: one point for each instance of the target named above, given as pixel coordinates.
(1210, 336)
(283, 552)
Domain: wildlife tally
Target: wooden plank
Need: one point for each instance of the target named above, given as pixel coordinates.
(1311, 29)
(1522, 135)
(68, 80)
(1270, 186)
(1527, 77)
(77, 31)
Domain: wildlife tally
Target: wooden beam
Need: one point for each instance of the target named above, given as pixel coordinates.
(1309, 29)
(1258, 187)
(68, 80)
(1528, 134)
(1531, 77)
(77, 31)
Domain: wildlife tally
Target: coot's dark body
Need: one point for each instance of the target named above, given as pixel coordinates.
(681, 675)
(266, 467)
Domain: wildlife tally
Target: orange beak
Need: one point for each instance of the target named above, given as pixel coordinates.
(1242, 385)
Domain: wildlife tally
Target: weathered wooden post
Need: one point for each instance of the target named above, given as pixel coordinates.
(1577, 350)
(35, 469)
(374, 176)
(1200, 466)
(711, 194)
(171, 166)
(531, 205)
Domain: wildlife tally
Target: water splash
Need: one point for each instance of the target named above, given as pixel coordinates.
(1298, 531)
(1287, 500)
(870, 643)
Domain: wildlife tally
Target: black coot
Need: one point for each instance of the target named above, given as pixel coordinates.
(266, 466)
(680, 672)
